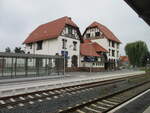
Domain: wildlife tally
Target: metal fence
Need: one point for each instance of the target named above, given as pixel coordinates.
(14, 65)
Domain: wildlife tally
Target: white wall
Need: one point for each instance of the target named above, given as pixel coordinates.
(53, 46)
(69, 48)
(49, 47)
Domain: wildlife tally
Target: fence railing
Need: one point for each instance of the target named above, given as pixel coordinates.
(14, 65)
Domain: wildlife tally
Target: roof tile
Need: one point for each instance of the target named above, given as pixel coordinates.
(49, 30)
(109, 35)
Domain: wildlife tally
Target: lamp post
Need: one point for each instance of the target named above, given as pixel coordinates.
(64, 61)
(90, 56)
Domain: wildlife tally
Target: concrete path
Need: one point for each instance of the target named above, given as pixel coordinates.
(23, 85)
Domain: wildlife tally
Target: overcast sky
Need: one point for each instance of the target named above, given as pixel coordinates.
(18, 18)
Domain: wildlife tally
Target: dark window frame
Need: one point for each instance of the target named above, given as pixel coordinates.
(64, 43)
(109, 43)
(74, 45)
(97, 34)
(87, 35)
(70, 30)
(30, 45)
(113, 44)
(39, 45)
(113, 53)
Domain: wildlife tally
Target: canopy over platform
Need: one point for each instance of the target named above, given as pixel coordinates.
(141, 7)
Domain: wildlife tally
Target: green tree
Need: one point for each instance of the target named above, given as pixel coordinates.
(7, 50)
(18, 50)
(135, 51)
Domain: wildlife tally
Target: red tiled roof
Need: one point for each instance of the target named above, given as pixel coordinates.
(124, 58)
(49, 30)
(87, 41)
(87, 49)
(108, 34)
(99, 48)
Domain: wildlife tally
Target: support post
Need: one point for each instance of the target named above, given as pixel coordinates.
(3, 66)
(15, 66)
(12, 67)
(26, 66)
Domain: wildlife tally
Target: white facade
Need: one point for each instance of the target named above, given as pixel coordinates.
(55, 46)
(111, 46)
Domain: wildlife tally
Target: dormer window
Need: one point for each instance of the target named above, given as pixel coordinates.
(39, 45)
(97, 33)
(88, 35)
(70, 30)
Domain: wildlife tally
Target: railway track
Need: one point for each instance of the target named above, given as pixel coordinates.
(105, 104)
(16, 101)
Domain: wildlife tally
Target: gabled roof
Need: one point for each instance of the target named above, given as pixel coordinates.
(50, 30)
(89, 48)
(98, 47)
(108, 34)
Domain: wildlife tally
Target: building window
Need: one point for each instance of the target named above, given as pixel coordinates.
(97, 33)
(70, 30)
(117, 46)
(88, 35)
(39, 45)
(113, 44)
(117, 53)
(109, 43)
(74, 45)
(113, 53)
(64, 43)
(30, 45)
(109, 52)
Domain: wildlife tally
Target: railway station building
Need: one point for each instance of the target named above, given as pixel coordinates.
(98, 47)
(101, 35)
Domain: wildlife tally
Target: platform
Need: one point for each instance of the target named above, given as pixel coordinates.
(24, 85)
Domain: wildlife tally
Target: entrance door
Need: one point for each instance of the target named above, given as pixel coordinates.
(74, 61)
